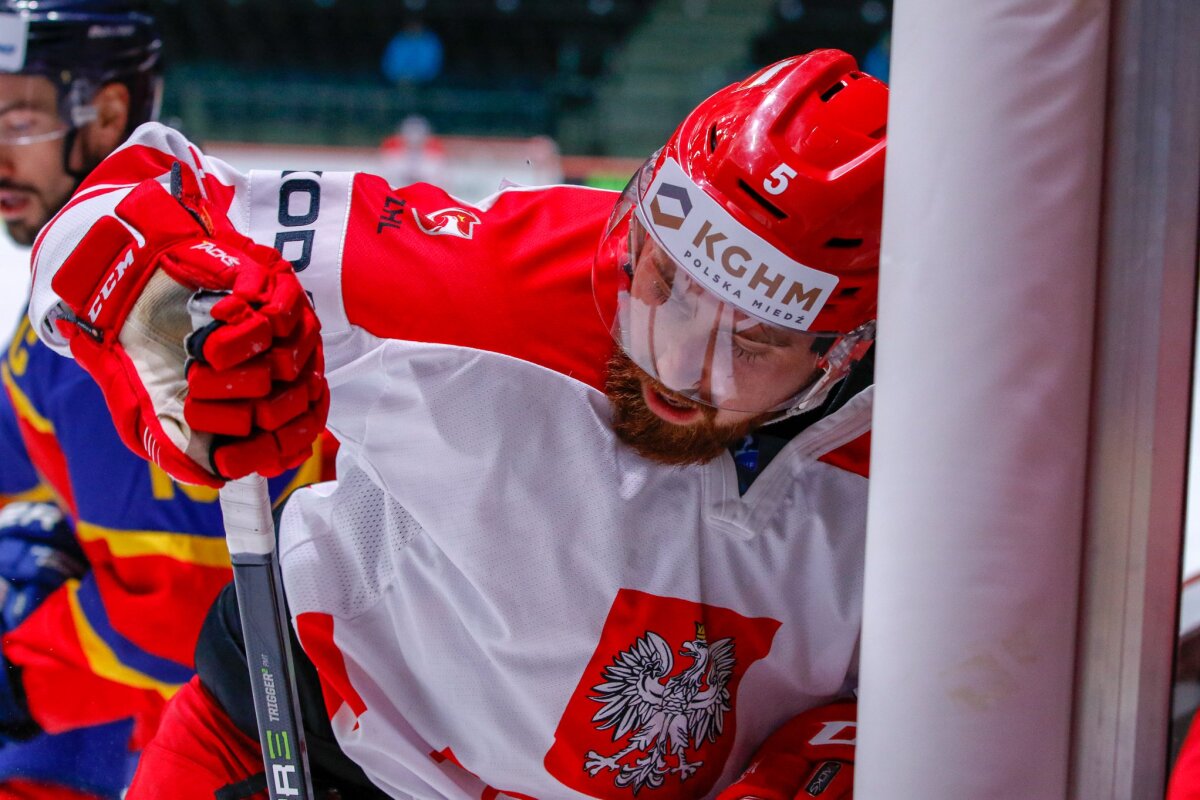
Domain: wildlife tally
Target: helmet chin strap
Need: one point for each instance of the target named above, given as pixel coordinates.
(69, 140)
(859, 376)
(814, 401)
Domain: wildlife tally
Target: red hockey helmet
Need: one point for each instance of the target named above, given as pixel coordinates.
(749, 244)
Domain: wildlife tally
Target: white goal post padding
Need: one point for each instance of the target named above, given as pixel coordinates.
(980, 437)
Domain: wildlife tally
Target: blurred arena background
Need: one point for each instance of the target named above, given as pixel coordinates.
(574, 90)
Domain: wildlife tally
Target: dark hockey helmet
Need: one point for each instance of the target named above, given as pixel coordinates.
(81, 45)
(759, 226)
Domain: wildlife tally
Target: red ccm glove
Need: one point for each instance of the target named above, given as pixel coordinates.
(203, 342)
(811, 755)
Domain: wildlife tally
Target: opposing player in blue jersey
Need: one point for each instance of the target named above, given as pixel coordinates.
(106, 564)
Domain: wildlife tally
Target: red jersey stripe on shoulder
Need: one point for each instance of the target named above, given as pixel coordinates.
(512, 278)
(854, 456)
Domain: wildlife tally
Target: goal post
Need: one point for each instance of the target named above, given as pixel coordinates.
(990, 248)
(1037, 323)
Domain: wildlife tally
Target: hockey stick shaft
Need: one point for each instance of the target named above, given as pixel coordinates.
(250, 534)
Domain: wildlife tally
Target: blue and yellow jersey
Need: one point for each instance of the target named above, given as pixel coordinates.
(18, 478)
(119, 641)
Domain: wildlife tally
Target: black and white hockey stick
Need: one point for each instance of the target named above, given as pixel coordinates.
(250, 534)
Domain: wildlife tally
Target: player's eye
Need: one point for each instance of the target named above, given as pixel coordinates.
(748, 350)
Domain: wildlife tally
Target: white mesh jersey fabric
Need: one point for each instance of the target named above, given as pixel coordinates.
(484, 523)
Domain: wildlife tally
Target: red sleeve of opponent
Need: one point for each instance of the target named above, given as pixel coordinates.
(60, 674)
(197, 752)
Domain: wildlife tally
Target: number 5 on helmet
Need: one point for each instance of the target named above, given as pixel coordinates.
(810, 755)
(202, 341)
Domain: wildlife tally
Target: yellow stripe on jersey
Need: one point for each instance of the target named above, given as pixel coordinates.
(102, 660)
(204, 551)
(22, 404)
(38, 494)
(163, 487)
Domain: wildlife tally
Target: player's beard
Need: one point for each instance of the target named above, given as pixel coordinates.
(653, 437)
(46, 200)
(24, 231)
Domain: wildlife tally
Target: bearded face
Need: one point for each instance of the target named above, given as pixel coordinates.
(665, 427)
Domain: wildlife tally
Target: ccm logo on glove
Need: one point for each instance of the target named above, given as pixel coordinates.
(110, 283)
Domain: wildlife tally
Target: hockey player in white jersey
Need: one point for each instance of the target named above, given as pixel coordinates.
(598, 526)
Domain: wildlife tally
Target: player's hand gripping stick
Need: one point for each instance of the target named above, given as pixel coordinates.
(250, 534)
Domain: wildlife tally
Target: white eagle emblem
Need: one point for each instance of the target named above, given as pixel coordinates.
(660, 718)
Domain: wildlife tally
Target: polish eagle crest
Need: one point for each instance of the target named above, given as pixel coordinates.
(658, 715)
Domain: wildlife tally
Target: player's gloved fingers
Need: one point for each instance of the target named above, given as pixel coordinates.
(224, 328)
(286, 305)
(268, 453)
(315, 419)
(238, 457)
(251, 379)
(221, 417)
(318, 400)
(295, 354)
(296, 439)
(224, 345)
(296, 459)
(252, 281)
(287, 402)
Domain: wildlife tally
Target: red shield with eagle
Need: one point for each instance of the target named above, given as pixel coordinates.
(655, 710)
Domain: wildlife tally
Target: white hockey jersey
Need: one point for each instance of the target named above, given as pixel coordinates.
(501, 599)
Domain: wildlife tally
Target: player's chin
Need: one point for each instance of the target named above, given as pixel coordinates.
(661, 441)
(21, 232)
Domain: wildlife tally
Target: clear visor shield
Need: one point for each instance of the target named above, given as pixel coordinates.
(696, 333)
(32, 110)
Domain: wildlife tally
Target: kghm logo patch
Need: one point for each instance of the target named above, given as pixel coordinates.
(729, 259)
(448, 222)
(670, 206)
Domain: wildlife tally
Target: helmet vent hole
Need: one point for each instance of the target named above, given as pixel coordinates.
(849, 291)
(878, 133)
(843, 244)
(828, 94)
(712, 139)
(773, 209)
